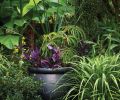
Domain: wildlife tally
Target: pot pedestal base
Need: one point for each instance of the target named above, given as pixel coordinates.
(49, 89)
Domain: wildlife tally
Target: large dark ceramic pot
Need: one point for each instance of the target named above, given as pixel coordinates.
(51, 80)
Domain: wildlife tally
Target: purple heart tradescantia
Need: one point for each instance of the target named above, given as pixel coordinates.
(55, 53)
(35, 54)
(34, 57)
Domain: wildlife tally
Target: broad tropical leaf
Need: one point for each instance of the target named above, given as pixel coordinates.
(29, 6)
(10, 41)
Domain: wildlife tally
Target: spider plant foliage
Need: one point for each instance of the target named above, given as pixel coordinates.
(66, 36)
(95, 78)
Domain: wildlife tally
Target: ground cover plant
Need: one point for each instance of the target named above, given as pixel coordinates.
(15, 84)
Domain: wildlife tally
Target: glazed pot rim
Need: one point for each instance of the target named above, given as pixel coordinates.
(59, 70)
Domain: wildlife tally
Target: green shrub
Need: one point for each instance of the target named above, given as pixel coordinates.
(95, 78)
(15, 84)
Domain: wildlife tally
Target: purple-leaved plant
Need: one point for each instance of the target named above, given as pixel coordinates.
(34, 58)
(54, 59)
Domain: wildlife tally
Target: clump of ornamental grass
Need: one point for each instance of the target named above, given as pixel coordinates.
(95, 78)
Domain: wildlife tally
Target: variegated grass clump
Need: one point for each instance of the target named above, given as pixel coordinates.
(95, 78)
